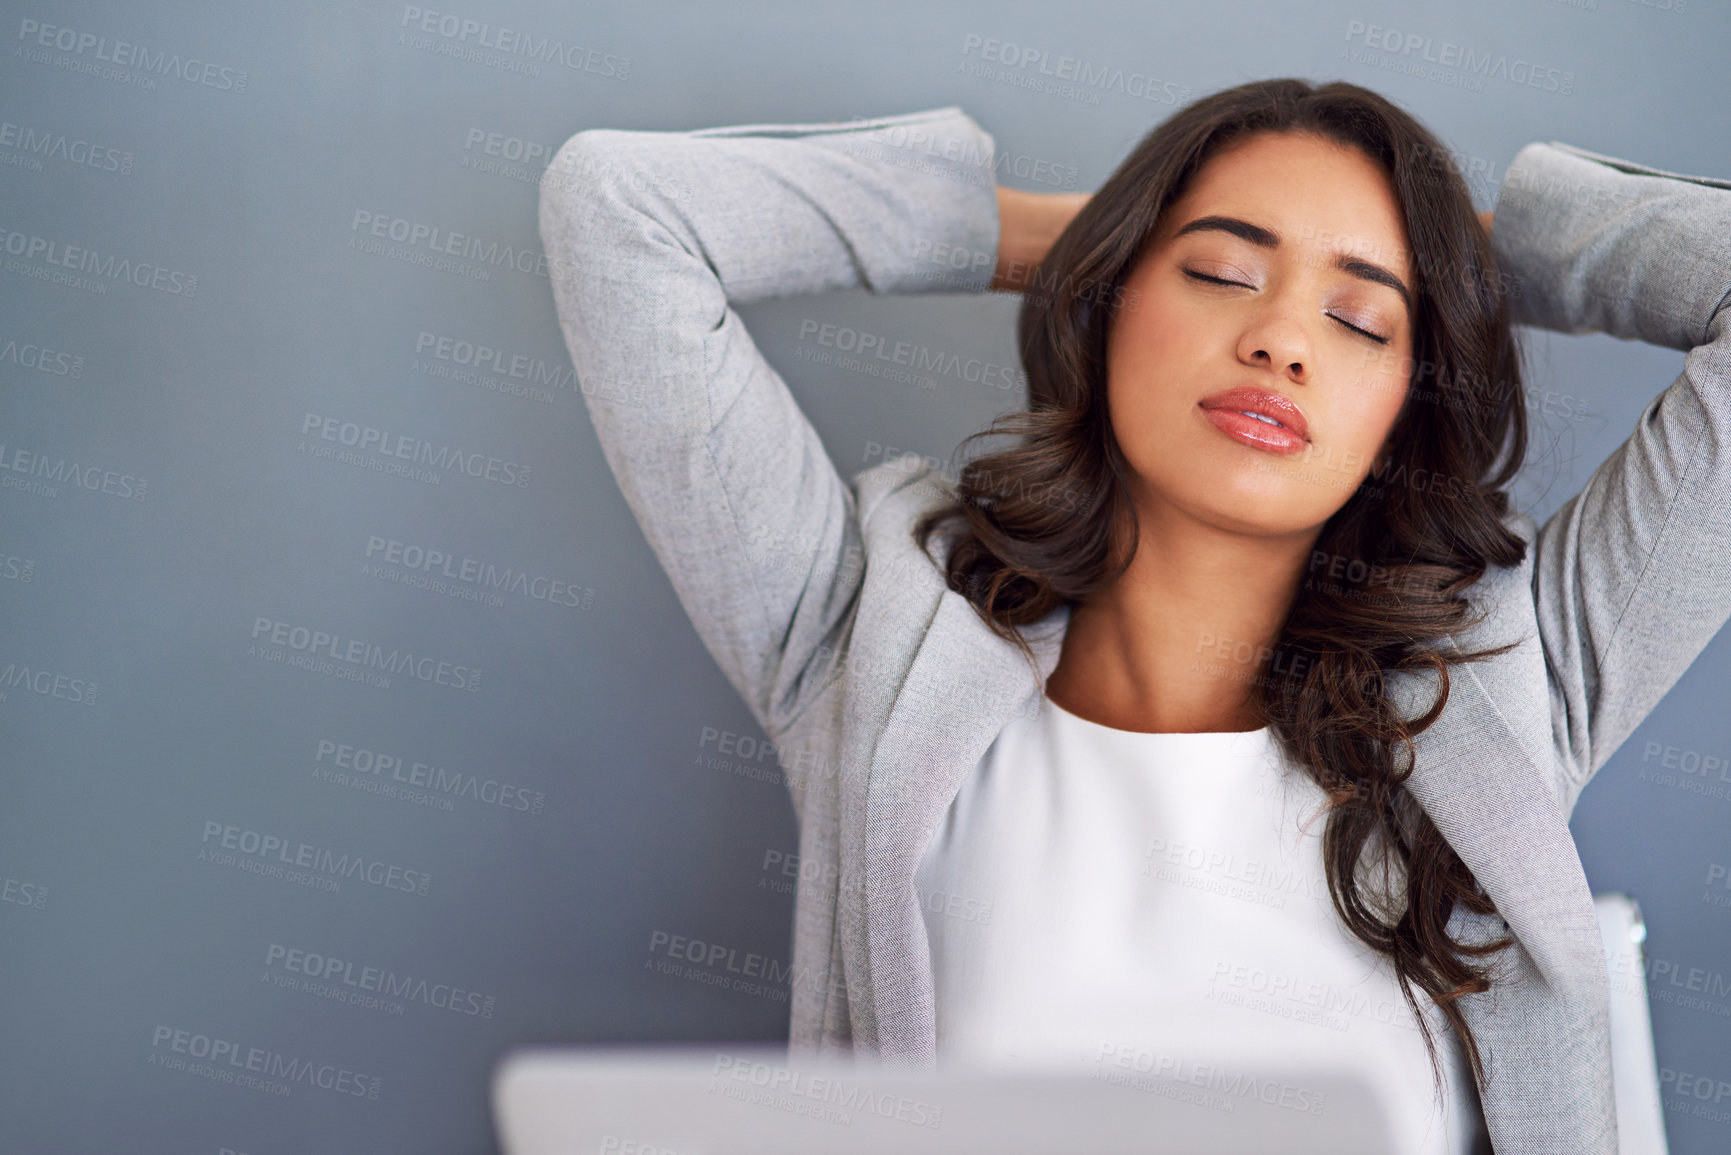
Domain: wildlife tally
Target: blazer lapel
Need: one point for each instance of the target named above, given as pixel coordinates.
(1495, 807)
(1548, 1060)
(964, 685)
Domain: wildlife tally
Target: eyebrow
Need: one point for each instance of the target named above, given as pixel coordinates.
(1269, 239)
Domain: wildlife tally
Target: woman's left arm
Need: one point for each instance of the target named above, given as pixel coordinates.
(1632, 576)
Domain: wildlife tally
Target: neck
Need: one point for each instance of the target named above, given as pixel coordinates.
(1176, 644)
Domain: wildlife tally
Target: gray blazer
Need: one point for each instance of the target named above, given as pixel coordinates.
(881, 687)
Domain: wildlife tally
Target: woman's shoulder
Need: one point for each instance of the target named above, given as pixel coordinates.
(895, 493)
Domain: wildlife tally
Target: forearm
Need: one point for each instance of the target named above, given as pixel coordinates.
(1028, 224)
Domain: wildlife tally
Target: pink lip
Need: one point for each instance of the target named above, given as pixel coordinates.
(1224, 410)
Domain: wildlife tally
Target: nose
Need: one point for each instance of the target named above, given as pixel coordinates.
(1276, 340)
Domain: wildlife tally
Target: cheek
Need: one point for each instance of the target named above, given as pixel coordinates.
(1368, 410)
(1155, 352)
(1146, 393)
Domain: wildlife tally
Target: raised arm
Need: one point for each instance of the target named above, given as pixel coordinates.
(1632, 576)
(651, 238)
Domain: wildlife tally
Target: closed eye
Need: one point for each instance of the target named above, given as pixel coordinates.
(1222, 281)
(1360, 332)
(1215, 280)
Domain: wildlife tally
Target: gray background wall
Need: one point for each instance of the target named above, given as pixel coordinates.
(562, 774)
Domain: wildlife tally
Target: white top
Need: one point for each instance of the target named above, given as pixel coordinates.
(1155, 906)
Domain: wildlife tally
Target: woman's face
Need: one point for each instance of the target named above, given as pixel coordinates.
(1307, 235)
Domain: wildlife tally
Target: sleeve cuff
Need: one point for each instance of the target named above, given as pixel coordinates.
(1595, 243)
(948, 162)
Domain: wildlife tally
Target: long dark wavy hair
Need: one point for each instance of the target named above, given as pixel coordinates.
(1035, 524)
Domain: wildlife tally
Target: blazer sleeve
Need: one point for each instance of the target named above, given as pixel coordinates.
(1632, 575)
(651, 238)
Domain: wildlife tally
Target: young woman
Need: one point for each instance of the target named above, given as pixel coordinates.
(1231, 715)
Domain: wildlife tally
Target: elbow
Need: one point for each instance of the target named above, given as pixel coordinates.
(577, 196)
(603, 200)
(557, 207)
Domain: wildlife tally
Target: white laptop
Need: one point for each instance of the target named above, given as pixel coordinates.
(728, 1099)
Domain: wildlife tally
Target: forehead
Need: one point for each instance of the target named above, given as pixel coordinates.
(1317, 194)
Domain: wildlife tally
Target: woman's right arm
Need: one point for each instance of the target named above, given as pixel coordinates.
(1632, 575)
(651, 239)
